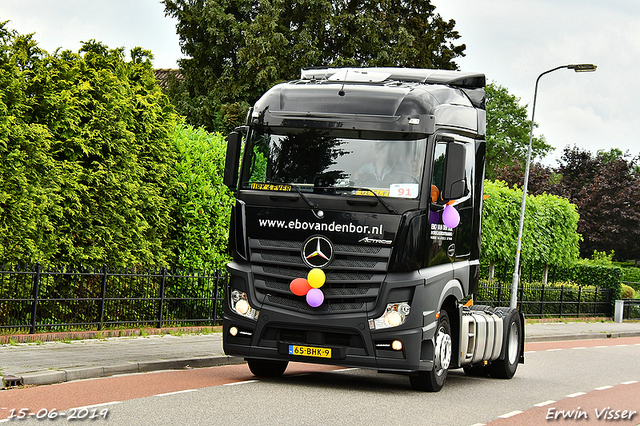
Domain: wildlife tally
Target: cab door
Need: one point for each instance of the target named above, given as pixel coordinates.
(450, 203)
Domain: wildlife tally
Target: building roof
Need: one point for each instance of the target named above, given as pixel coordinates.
(162, 76)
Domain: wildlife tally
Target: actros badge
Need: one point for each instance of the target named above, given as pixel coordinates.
(317, 252)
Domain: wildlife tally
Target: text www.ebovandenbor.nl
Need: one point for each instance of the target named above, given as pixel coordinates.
(350, 228)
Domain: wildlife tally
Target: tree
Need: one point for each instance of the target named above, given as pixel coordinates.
(606, 189)
(541, 178)
(578, 168)
(237, 49)
(508, 131)
(86, 165)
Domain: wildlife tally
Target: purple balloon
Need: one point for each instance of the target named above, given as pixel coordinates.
(315, 297)
(450, 216)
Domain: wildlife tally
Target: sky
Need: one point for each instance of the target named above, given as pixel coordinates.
(511, 41)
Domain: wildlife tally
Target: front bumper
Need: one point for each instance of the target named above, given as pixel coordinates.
(351, 341)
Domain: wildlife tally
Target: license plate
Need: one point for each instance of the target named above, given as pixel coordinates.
(309, 351)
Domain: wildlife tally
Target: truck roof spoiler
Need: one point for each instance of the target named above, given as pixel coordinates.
(461, 79)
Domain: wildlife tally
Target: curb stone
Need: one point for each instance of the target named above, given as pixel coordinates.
(582, 336)
(49, 377)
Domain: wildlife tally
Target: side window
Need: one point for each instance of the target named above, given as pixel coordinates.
(255, 169)
(457, 174)
(437, 178)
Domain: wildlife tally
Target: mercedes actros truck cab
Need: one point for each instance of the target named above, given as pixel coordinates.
(355, 234)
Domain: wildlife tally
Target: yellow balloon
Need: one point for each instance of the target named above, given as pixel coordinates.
(316, 278)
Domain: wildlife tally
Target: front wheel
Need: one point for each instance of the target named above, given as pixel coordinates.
(266, 368)
(433, 381)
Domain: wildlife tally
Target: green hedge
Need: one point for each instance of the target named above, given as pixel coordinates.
(587, 273)
(204, 202)
(550, 230)
(631, 275)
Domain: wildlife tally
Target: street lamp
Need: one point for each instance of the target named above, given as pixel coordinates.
(516, 272)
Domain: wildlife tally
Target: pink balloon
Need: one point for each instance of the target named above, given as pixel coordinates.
(450, 216)
(315, 297)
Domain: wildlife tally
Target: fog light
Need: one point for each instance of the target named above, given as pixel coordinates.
(233, 331)
(396, 345)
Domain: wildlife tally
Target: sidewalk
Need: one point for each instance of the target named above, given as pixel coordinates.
(53, 362)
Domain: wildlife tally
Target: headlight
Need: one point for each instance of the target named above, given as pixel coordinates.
(240, 305)
(394, 315)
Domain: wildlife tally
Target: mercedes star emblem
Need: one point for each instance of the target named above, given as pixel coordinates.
(317, 252)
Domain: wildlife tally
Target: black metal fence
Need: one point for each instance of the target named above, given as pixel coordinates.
(55, 299)
(537, 300)
(631, 309)
(58, 299)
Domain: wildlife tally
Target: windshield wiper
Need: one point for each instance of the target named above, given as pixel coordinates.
(354, 188)
(315, 208)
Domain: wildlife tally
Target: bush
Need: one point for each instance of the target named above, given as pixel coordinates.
(627, 292)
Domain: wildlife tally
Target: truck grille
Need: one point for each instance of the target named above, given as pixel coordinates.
(353, 278)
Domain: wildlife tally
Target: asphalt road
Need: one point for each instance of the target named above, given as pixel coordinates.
(562, 376)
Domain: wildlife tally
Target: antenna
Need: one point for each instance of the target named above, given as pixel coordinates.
(341, 91)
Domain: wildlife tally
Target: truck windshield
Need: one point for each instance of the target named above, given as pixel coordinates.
(334, 161)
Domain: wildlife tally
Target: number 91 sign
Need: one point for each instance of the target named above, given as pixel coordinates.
(404, 190)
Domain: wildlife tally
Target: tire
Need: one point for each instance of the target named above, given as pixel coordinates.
(433, 381)
(266, 368)
(505, 368)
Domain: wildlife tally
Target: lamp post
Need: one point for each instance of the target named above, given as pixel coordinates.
(516, 272)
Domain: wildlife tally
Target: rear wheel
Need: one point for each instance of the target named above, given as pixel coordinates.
(506, 368)
(433, 381)
(267, 368)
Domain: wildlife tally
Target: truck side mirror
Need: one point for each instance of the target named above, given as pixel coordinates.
(230, 178)
(455, 183)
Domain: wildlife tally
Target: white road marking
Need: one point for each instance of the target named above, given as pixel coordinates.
(176, 392)
(604, 387)
(511, 414)
(240, 383)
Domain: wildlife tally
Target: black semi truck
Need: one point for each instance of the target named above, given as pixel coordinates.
(355, 234)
